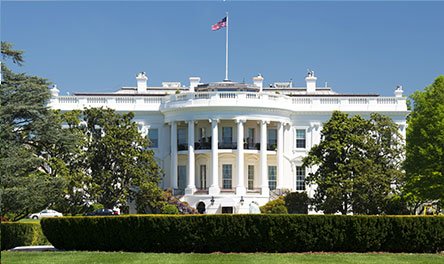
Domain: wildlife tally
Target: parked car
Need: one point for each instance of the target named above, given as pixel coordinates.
(45, 213)
(102, 212)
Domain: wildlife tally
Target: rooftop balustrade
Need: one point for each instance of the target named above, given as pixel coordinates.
(243, 99)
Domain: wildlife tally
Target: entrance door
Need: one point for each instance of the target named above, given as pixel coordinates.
(227, 210)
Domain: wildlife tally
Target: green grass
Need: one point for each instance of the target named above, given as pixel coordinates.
(123, 257)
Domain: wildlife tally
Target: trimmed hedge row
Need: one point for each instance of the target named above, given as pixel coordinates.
(247, 233)
(21, 234)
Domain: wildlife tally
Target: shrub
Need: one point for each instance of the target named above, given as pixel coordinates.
(21, 234)
(247, 233)
(276, 206)
(297, 202)
(170, 209)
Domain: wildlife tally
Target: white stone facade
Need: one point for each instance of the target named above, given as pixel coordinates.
(240, 143)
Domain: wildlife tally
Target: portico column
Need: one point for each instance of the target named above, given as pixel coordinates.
(265, 190)
(280, 154)
(240, 188)
(214, 188)
(191, 186)
(173, 155)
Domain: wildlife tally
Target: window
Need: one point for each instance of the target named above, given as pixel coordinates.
(153, 136)
(226, 176)
(181, 177)
(203, 132)
(272, 177)
(203, 177)
(300, 138)
(250, 136)
(250, 177)
(300, 178)
(227, 135)
(182, 139)
(271, 139)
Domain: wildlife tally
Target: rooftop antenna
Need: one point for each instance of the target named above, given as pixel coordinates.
(325, 84)
(291, 82)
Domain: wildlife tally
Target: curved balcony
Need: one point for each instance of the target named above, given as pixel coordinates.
(316, 103)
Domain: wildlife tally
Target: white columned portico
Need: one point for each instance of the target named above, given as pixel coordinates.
(280, 155)
(173, 155)
(240, 187)
(191, 186)
(214, 188)
(265, 190)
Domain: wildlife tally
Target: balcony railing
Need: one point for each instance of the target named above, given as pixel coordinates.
(271, 146)
(202, 145)
(252, 145)
(227, 145)
(182, 147)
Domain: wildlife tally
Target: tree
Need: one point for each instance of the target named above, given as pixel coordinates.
(297, 202)
(29, 130)
(424, 163)
(358, 164)
(117, 162)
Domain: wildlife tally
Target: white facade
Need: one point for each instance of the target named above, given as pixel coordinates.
(225, 145)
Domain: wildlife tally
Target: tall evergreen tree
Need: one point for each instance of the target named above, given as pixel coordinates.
(28, 132)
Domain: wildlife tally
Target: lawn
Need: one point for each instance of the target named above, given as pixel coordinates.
(123, 257)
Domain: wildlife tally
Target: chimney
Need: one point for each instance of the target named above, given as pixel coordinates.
(141, 82)
(55, 91)
(311, 82)
(398, 92)
(258, 81)
(194, 81)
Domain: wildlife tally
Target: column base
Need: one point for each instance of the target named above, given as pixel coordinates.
(240, 190)
(213, 190)
(265, 191)
(190, 190)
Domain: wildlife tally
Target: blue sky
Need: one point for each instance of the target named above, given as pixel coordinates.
(358, 47)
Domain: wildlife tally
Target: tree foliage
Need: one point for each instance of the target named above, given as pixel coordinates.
(114, 164)
(29, 132)
(297, 202)
(356, 167)
(424, 162)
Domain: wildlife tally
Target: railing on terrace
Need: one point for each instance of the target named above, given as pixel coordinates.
(108, 99)
(238, 98)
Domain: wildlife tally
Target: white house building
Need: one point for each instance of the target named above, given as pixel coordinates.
(224, 145)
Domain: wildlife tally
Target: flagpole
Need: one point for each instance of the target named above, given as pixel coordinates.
(226, 53)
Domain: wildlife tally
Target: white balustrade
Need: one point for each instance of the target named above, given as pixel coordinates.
(247, 99)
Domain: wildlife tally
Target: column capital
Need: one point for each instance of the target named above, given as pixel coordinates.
(211, 120)
(171, 123)
(191, 120)
(238, 120)
(264, 122)
(315, 124)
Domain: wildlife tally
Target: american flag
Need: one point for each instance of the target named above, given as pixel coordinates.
(220, 24)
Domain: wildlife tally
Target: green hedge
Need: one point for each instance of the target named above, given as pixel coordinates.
(247, 233)
(21, 234)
